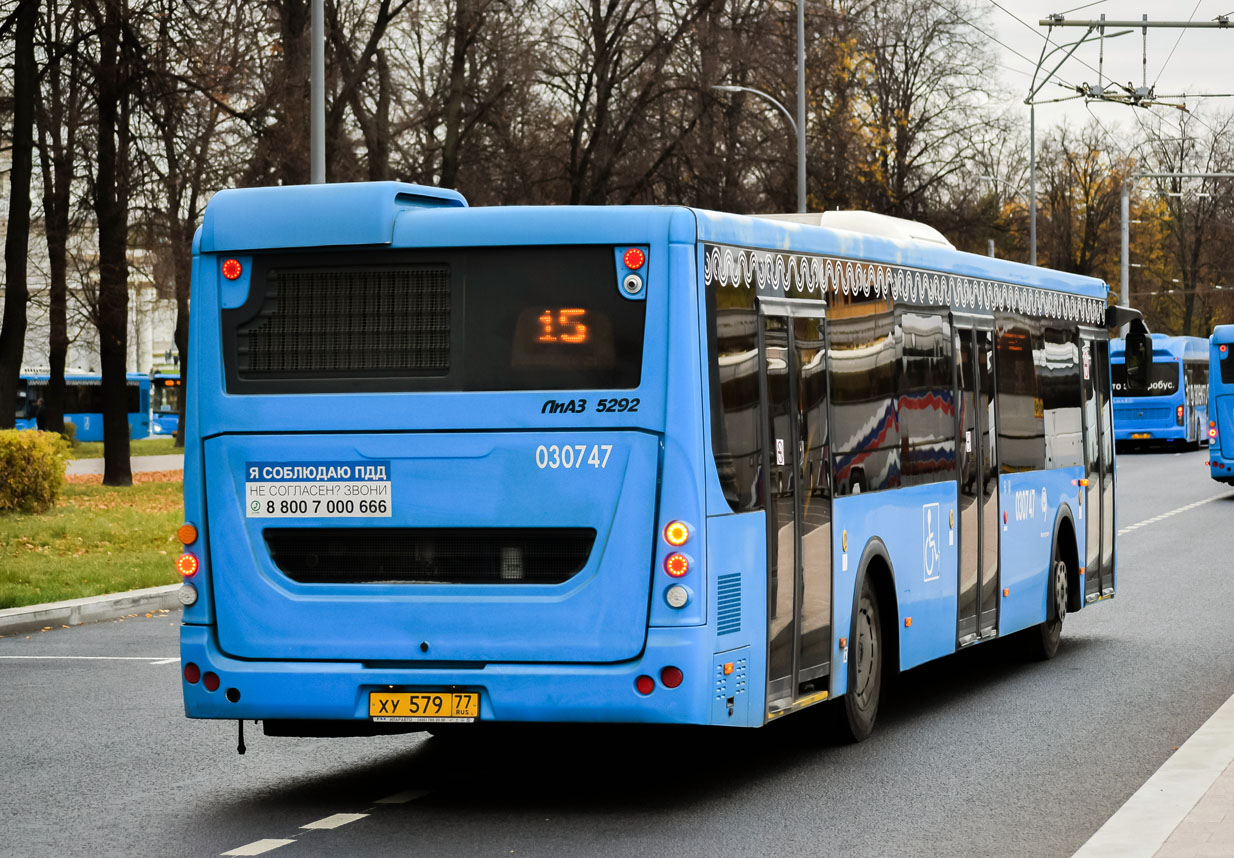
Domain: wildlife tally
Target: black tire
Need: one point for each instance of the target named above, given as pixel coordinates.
(1043, 639)
(865, 668)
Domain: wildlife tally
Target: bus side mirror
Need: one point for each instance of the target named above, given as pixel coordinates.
(1139, 358)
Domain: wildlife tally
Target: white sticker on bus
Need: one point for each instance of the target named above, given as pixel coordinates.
(318, 490)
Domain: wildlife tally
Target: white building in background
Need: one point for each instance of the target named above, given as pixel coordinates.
(152, 310)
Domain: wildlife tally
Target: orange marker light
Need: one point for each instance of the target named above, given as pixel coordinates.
(187, 533)
(634, 258)
(728, 668)
(908, 622)
(186, 564)
(676, 533)
(1006, 592)
(676, 565)
(232, 269)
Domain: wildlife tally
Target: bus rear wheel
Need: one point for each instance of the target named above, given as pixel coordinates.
(1044, 639)
(865, 667)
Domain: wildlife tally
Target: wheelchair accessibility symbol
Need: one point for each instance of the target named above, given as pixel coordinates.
(931, 527)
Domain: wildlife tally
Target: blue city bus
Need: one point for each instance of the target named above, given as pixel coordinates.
(1221, 404)
(164, 403)
(447, 465)
(1174, 407)
(83, 402)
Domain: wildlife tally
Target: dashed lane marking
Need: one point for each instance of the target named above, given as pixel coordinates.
(337, 820)
(1173, 513)
(149, 659)
(257, 847)
(403, 797)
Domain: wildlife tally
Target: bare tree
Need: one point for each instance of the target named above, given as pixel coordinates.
(17, 240)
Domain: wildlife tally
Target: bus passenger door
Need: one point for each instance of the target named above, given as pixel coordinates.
(1092, 470)
(779, 490)
(797, 488)
(977, 594)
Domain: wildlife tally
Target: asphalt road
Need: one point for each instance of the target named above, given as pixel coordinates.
(984, 754)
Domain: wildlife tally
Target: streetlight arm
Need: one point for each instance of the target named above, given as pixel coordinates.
(730, 88)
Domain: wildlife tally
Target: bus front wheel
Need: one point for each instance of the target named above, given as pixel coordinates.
(865, 672)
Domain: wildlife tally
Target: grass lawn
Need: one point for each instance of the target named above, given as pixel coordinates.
(140, 447)
(96, 540)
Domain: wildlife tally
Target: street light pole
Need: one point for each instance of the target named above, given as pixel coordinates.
(317, 96)
(798, 131)
(801, 106)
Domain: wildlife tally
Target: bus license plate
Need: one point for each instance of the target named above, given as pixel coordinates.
(1140, 436)
(430, 707)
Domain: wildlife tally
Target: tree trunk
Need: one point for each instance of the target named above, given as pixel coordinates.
(17, 241)
(110, 206)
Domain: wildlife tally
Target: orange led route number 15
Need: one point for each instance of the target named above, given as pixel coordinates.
(564, 326)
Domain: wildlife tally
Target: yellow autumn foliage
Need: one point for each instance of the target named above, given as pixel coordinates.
(32, 468)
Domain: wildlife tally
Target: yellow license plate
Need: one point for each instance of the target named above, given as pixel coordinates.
(432, 707)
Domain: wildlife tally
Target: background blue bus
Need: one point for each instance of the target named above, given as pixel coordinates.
(1221, 404)
(83, 402)
(1175, 406)
(620, 464)
(165, 389)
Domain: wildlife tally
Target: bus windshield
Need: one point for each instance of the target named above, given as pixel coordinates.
(1162, 379)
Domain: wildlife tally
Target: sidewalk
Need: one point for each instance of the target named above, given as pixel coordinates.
(140, 463)
(1186, 809)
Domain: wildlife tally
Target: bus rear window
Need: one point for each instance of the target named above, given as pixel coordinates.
(1227, 370)
(1162, 379)
(524, 318)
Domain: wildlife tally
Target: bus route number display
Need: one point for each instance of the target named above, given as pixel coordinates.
(318, 489)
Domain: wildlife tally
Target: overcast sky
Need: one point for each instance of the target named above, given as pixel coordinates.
(1202, 62)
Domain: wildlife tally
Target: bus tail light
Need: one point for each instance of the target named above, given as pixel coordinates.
(676, 565)
(644, 685)
(1223, 348)
(187, 533)
(1178, 415)
(186, 564)
(1212, 430)
(192, 673)
(671, 677)
(211, 681)
(676, 533)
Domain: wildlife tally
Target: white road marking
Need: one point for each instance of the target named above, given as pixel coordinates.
(1173, 512)
(257, 847)
(152, 659)
(403, 797)
(338, 820)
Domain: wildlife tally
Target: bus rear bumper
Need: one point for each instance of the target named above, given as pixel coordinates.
(579, 693)
(1172, 433)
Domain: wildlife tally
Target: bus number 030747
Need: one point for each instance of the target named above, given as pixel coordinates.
(572, 456)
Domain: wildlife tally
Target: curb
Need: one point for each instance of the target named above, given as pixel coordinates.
(1146, 821)
(92, 609)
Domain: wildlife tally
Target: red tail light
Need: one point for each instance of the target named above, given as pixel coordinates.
(192, 673)
(232, 269)
(186, 564)
(671, 677)
(1212, 429)
(645, 685)
(1178, 415)
(676, 565)
(210, 681)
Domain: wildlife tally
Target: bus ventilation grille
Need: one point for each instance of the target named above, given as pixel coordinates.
(362, 322)
(729, 619)
(408, 555)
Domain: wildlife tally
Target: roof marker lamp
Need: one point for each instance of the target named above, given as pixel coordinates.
(186, 564)
(232, 269)
(634, 259)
